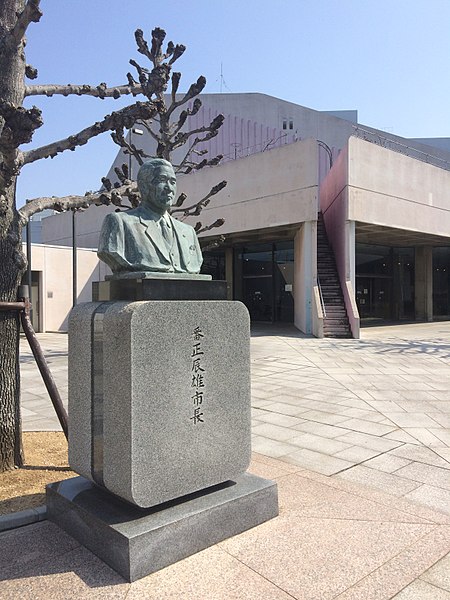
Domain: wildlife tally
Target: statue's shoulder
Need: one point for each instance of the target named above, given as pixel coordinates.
(124, 215)
(182, 227)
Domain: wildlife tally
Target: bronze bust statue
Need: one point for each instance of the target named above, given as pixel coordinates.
(148, 238)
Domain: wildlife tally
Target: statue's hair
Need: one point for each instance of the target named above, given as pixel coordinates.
(146, 169)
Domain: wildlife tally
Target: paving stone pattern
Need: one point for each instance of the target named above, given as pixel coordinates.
(356, 433)
(374, 411)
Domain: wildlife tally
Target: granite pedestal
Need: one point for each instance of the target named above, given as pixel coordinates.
(159, 396)
(159, 426)
(136, 542)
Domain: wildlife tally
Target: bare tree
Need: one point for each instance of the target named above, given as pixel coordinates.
(167, 127)
(17, 125)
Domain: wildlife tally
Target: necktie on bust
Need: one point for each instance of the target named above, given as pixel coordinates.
(166, 231)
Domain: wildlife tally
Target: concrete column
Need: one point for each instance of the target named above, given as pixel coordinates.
(305, 274)
(229, 272)
(350, 253)
(424, 283)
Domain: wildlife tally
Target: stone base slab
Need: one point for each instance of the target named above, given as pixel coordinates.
(136, 542)
(159, 288)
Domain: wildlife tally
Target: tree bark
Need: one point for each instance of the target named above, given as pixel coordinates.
(12, 68)
(13, 263)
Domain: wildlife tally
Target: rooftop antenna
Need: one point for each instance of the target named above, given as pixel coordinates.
(223, 83)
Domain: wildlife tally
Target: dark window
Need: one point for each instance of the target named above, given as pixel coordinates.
(385, 282)
(214, 264)
(441, 282)
(263, 280)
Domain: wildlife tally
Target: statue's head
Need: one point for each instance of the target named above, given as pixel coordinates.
(157, 184)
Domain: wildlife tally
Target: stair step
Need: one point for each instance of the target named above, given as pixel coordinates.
(336, 333)
(335, 323)
(338, 336)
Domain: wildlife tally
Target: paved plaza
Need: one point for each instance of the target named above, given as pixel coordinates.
(374, 411)
(357, 434)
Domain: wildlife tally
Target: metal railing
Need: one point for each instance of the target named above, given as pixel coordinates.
(322, 303)
(397, 146)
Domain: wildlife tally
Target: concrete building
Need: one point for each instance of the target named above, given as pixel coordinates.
(52, 283)
(383, 201)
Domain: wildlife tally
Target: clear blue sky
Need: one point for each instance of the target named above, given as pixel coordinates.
(389, 59)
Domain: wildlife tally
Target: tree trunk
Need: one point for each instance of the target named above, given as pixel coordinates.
(12, 68)
(11, 272)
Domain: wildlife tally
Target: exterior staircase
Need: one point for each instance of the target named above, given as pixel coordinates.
(335, 321)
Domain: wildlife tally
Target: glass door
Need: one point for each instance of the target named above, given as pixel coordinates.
(257, 292)
(263, 280)
(373, 297)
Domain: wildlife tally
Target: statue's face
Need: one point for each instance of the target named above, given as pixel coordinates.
(162, 189)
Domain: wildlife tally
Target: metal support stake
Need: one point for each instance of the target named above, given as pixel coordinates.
(41, 362)
(29, 277)
(74, 261)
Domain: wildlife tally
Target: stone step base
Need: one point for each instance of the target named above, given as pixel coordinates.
(136, 542)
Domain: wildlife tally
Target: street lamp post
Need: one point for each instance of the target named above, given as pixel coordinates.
(136, 131)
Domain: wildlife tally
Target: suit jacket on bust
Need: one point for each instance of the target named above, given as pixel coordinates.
(132, 241)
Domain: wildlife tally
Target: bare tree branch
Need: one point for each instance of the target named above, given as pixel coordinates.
(129, 148)
(194, 90)
(31, 72)
(214, 244)
(181, 198)
(175, 83)
(30, 14)
(177, 52)
(99, 91)
(158, 36)
(217, 223)
(211, 131)
(191, 166)
(19, 124)
(195, 209)
(150, 130)
(126, 117)
(113, 196)
(185, 159)
(155, 81)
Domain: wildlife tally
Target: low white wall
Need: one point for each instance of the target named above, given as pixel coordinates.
(55, 265)
(352, 309)
(317, 315)
(57, 230)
